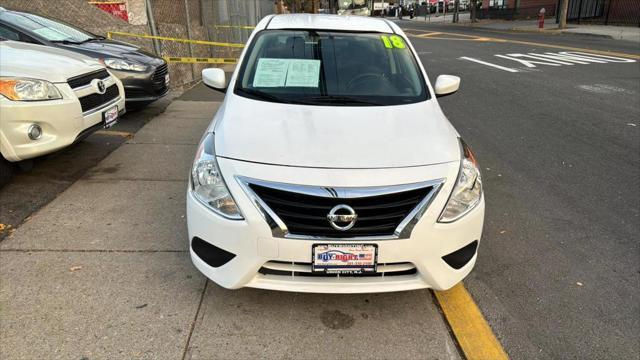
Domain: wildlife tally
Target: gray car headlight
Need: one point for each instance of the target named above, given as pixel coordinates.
(120, 64)
(467, 191)
(22, 89)
(207, 184)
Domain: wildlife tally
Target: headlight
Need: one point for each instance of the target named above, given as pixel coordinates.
(467, 191)
(120, 64)
(19, 89)
(207, 183)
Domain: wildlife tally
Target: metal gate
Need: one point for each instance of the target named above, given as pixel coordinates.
(604, 12)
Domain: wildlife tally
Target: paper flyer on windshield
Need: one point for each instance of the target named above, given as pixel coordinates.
(287, 73)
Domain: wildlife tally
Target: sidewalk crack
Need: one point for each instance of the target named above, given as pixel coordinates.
(195, 319)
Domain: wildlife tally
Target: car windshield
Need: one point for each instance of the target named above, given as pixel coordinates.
(46, 28)
(330, 68)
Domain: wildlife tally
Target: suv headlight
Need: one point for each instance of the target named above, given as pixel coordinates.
(207, 183)
(467, 191)
(21, 89)
(120, 64)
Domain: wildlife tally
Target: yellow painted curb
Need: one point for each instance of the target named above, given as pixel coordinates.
(475, 337)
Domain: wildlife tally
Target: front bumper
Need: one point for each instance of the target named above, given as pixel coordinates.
(252, 242)
(144, 86)
(62, 122)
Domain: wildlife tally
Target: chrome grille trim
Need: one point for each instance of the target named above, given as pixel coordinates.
(279, 228)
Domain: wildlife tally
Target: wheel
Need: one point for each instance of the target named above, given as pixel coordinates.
(6, 169)
(25, 165)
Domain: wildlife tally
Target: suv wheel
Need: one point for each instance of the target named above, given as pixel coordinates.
(6, 168)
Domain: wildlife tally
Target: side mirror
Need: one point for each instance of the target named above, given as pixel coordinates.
(215, 79)
(446, 85)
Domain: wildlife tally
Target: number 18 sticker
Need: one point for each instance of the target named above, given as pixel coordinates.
(393, 41)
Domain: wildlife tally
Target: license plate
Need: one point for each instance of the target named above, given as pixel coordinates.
(110, 117)
(166, 79)
(344, 258)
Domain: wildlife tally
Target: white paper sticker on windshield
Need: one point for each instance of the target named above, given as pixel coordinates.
(271, 73)
(303, 73)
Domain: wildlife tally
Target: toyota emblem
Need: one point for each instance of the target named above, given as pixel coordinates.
(342, 217)
(99, 85)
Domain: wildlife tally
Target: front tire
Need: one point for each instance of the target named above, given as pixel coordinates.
(6, 169)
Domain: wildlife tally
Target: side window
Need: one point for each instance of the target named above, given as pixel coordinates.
(9, 34)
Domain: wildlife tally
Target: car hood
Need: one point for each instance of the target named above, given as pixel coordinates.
(334, 136)
(110, 48)
(19, 59)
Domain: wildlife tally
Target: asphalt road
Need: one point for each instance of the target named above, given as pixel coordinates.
(558, 272)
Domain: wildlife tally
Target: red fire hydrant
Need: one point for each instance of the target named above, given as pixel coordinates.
(541, 18)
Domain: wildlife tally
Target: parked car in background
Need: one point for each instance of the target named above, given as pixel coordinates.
(49, 99)
(145, 77)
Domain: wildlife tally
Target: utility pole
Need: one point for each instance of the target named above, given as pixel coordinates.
(564, 5)
(456, 5)
(474, 8)
(152, 25)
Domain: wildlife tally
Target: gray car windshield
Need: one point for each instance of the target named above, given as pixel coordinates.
(48, 29)
(330, 68)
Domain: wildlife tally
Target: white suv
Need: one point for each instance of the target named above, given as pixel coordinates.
(51, 98)
(330, 167)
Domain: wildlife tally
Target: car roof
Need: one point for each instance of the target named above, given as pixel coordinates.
(330, 22)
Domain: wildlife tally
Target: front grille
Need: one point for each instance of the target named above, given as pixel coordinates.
(159, 84)
(135, 93)
(93, 101)
(281, 268)
(82, 80)
(306, 214)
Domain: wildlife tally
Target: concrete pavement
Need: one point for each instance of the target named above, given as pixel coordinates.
(103, 271)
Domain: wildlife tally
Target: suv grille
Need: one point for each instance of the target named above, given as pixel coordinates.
(159, 84)
(82, 80)
(305, 214)
(93, 101)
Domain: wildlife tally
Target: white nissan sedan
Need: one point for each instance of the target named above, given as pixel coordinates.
(330, 166)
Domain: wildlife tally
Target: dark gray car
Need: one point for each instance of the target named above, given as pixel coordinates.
(145, 77)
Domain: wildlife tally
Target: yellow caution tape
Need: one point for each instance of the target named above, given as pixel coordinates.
(233, 27)
(194, 60)
(201, 42)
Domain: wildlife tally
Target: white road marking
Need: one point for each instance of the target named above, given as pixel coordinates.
(570, 58)
(564, 56)
(603, 89)
(598, 56)
(527, 63)
(489, 64)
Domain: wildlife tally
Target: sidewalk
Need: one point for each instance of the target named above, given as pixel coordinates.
(103, 272)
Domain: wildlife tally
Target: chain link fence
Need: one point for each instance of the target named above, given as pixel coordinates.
(220, 21)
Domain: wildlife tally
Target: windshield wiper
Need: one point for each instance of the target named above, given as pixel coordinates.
(265, 96)
(65, 42)
(337, 99)
(96, 38)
